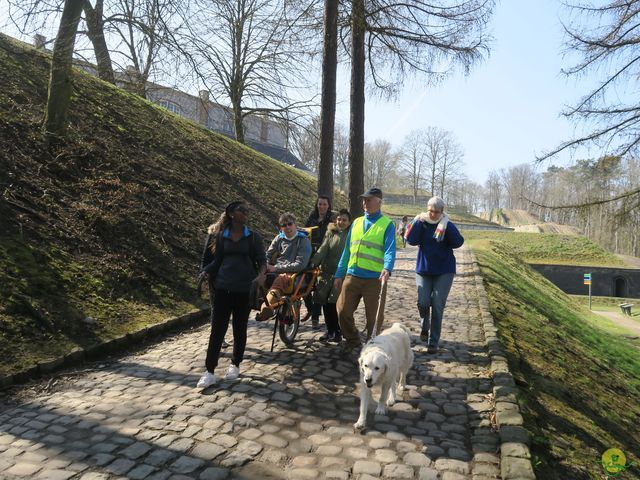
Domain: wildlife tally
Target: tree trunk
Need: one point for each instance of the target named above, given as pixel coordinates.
(356, 118)
(60, 85)
(95, 27)
(328, 108)
(238, 126)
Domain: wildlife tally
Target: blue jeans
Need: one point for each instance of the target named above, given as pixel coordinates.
(433, 291)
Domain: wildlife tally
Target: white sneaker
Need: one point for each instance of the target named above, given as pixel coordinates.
(232, 372)
(207, 380)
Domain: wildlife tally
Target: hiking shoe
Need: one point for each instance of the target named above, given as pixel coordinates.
(424, 336)
(432, 349)
(207, 380)
(326, 337)
(337, 338)
(233, 373)
(260, 317)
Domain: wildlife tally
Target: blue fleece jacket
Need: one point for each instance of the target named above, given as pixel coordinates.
(389, 251)
(434, 258)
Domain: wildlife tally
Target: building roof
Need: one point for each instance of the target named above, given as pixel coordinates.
(278, 153)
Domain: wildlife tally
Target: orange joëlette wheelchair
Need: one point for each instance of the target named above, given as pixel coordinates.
(287, 308)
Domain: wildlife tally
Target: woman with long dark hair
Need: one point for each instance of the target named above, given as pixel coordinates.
(320, 218)
(233, 257)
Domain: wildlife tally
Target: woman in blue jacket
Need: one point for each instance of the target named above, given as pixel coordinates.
(436, 265)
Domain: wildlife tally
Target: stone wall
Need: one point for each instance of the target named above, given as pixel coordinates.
(605, 282)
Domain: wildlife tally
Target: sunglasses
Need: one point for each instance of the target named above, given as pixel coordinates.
(288, 224)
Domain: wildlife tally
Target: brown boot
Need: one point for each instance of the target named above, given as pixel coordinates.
(273, 297)
(266, 312)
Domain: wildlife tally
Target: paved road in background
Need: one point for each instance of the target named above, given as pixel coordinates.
(290, 414)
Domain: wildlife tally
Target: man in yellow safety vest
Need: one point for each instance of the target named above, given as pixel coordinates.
(366, 262)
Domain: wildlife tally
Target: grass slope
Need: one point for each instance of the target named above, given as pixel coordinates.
(550, 248)
(509, 217)
(579, 383)
(110, 222)
(398, 210)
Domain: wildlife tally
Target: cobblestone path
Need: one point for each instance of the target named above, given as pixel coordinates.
(290, 414)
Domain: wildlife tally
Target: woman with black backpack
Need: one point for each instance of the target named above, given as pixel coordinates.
(233, 256)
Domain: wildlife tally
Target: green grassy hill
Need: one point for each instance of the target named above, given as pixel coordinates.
(109, 224)
(550, 248)
(579, 381)
(509, 217)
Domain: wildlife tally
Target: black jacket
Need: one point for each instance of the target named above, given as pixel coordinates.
(317, 234)
(234, 265)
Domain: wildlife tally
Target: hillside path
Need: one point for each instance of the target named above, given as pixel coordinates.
(621, 320)
(290, 415)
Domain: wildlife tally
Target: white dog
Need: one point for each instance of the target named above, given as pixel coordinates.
(384, 361)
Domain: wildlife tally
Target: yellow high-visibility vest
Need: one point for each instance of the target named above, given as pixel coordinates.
(367, 248)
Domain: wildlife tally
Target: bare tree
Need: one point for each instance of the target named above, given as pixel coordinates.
(451, 162)
(341, 158)
(60, 85)
(401, 38)
(379, 161)
(145, 29)
(520, 182)
(434, 140)
(465, 194)
(31, 17)
(95, 31)
(607, 37)
(493, 192)
(250, 58)
(130, 34)
(307, 144)
(414, 160)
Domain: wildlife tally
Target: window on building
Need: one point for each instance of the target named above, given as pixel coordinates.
(171, 106)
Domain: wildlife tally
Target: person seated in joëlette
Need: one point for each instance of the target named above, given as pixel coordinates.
(288, 254)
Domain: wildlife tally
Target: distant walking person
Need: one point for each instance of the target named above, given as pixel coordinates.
(402, 227)
(320, 217)
(233, 257)
(435, 267)
(366, 262)
(327, 258)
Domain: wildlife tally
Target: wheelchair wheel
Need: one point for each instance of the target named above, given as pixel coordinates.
(288, 321)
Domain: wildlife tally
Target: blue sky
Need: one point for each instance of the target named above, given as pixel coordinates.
(508, 109)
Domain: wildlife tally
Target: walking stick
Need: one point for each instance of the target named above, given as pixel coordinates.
(380, 310)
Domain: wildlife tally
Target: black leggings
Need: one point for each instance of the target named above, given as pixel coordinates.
(331, 318)
(226, 304)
